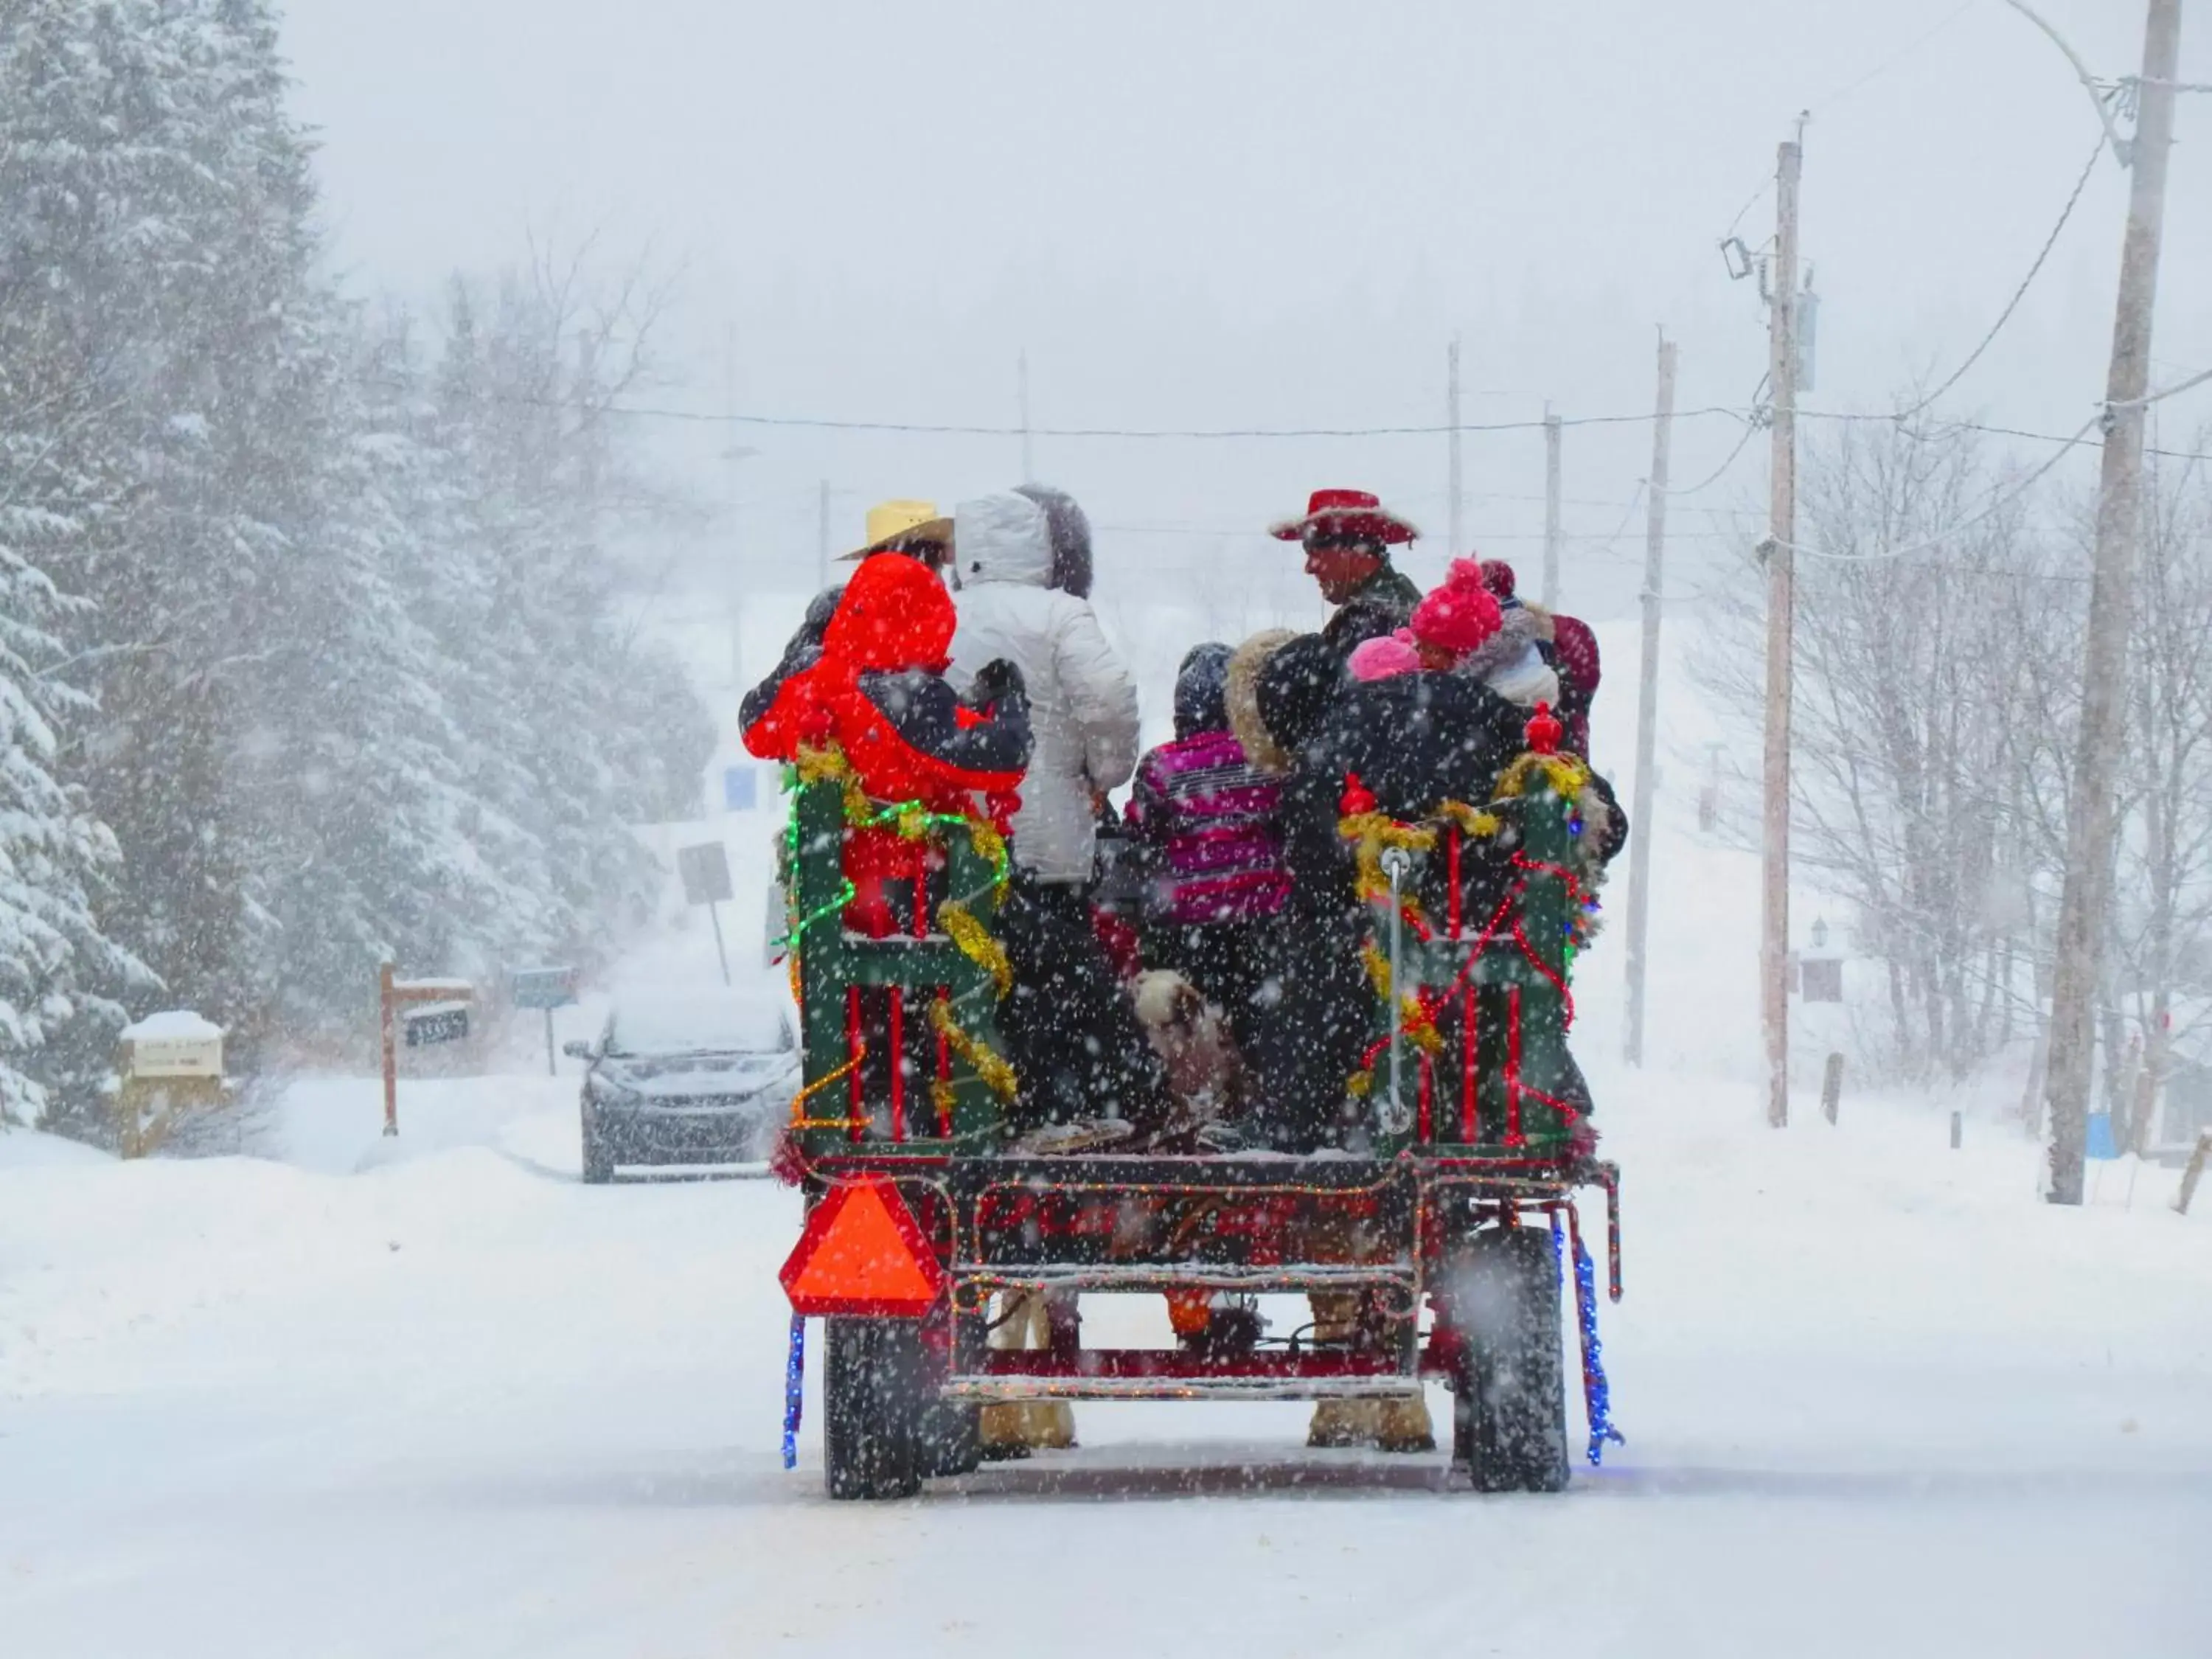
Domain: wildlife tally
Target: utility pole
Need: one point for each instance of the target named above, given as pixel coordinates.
(1781, 619)
(1550, 508)
(823, 516)
(1647, 704)
(1022, 377)
(2085, 901)
(1457, 547)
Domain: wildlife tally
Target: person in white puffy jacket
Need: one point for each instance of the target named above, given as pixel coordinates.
(1024, 597)
(1023, 562)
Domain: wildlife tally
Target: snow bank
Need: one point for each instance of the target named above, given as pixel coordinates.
(29, 1149)
(173, 1025)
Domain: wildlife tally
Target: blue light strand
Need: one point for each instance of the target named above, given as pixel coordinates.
(794, 1390)
(1597, 1392)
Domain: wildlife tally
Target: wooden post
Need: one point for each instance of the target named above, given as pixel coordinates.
(391, 995)
(1647, 707)
(387, 1021)
(1831, 1088)
(2078, 949)
(1958, 1129)
(1781, 616)
(714, 915)
(2191, 1175)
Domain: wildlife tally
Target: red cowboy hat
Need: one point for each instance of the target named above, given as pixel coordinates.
(1350, 513)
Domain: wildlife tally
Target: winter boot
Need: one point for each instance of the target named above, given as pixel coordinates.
(1000, 1433)
(1016, 1428)
(1402, 1425)
(1340, 1423)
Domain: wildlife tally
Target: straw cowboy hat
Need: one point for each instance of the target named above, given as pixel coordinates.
(894, 523)
(1353, 514)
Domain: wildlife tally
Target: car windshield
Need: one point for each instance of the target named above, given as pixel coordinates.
(698, 1024)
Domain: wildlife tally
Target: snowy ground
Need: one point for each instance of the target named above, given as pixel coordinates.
(460, 1404)
(436, 1397)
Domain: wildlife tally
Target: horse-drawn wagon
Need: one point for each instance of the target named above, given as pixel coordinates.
(1446, 1221)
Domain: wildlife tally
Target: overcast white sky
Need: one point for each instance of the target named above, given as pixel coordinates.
(1241, 214)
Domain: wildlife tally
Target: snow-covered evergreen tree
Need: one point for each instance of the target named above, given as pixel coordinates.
(308, 650)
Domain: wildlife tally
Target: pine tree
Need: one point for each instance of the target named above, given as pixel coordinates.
(338, 667)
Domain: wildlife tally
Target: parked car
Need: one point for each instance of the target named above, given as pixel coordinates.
(689, 1079)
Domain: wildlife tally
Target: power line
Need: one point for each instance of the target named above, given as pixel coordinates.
(1894, 60)
(1605, 549)
(2121, 147)
(2003, 498)
(702, 418)
(2005, 431)
(2164, 393)
(1751, 429)
(2018, 293)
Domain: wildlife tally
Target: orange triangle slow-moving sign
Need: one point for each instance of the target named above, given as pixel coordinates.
(862, 1253)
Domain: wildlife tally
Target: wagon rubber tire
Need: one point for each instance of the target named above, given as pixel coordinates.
(1509, 1399)
(599, 1157)
(873, 1380)
(951, 1436)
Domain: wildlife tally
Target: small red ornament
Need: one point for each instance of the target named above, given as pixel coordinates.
(1544, 731)
(788, 1163)
(1357, 799)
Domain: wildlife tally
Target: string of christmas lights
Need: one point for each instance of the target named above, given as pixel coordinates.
(794, 1390)
(1597, 1392)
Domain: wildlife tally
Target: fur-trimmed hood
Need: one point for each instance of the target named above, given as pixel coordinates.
(1243, 698)
(1510, 662)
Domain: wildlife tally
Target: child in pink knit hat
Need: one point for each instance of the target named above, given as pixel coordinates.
(1383, 656)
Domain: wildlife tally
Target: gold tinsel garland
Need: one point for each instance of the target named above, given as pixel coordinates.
(976, 943)
(987, 1065)
(1372, 833)
(1568, 776)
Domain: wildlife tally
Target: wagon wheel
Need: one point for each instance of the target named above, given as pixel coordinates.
(1508, 1398)
(950, 1432)
(873, 1387)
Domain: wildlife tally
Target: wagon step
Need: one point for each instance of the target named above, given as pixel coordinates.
(992, 1390)
(1186, 1275)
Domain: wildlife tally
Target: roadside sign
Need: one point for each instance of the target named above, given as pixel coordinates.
(543, 988)
(432, 1010)
(706, 872)
(740, 788)
(436, 1022)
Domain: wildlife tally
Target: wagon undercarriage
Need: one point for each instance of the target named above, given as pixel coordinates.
(1437, 1270)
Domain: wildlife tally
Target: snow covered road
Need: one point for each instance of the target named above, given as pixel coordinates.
(1877, 1399)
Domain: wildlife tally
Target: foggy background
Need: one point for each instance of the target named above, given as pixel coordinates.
(1256, 216)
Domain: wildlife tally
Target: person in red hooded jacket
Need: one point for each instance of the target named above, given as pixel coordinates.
(876, 689)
